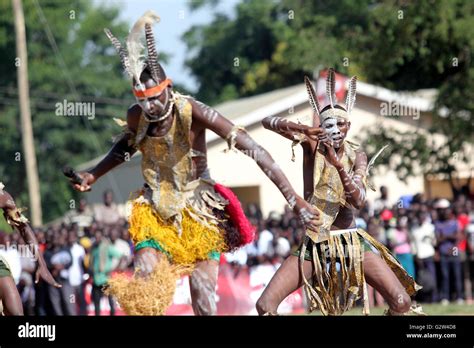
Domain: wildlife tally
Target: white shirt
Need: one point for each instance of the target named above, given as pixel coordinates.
(264, 243)
(124, 249)
(12, 257)
(380, 204)
(75, 271)
(424, 238)
(239, 256)
(282, 247)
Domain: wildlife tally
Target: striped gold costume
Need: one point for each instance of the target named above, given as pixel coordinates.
(338, 256)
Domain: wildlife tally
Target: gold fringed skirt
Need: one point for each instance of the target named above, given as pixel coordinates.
(339, 279)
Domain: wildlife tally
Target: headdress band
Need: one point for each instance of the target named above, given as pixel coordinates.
(153, 91)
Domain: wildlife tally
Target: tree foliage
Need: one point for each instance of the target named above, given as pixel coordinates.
(400, 45)
(85, 68)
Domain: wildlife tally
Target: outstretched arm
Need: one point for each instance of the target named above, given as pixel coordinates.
(119, 152)
(211, 119)
(20, 223)
(291, 130)
(283, 127)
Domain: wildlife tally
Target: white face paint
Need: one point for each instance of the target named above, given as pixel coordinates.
(153, 106)
(330, 127)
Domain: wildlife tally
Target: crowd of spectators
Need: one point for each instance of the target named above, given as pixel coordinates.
(433, 239)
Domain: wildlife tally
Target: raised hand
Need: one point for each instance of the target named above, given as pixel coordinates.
(314, 133)
(331, 155)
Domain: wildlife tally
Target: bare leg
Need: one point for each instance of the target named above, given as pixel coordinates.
(146, 260)
(379, 301)
(150, 291)
(203, 283)
(10, 297)
(286, 280)
(379, 275)
(371, 294)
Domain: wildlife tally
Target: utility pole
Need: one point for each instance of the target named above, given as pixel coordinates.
(25, 114)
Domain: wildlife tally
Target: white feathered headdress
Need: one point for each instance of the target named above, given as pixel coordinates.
(133, 57)
(331, 95)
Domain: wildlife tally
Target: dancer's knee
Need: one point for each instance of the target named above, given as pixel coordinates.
(146, 260)
(401, 303)
(264, 306)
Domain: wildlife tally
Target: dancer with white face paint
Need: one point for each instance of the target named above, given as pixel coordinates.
(335, 262)
(181, 215)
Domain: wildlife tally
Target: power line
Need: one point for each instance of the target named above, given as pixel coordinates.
(105, 100)
(70, 82)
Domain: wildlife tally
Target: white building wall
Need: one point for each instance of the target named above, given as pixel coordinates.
(236, 169)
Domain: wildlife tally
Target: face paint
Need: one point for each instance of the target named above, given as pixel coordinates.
(336, 128)
(330, 126)
(145, 263)
(153, 106)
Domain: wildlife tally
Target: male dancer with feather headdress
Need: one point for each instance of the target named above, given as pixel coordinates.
(181, 214)
(335, 262)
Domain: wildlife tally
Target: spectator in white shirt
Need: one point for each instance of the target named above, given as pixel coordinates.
(424, 239)
(76, 271)
(381, 203)
(123, 247)
(107, 213)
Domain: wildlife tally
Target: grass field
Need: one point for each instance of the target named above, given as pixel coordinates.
(429, 309)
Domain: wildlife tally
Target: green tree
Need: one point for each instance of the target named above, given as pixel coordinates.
(270, 44)
(70, 59)
(424, 44)
(400, 45)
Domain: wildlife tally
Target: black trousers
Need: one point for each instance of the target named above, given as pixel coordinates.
(97, 293)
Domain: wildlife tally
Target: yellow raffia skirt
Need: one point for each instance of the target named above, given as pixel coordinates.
(195, 242)
(153, 294)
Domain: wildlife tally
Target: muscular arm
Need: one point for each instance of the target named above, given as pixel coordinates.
(121, 149)
(117, 155)
(119, 152)
(354, 187)
(283, 127)
(211, 119)
(289, 130)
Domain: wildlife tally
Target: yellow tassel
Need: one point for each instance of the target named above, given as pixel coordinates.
(147, 296)
(194, 244)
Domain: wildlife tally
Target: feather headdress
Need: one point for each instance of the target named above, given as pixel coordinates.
(134, 58)
(331, 110)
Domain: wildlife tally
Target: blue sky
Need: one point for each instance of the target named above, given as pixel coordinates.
(176, 18)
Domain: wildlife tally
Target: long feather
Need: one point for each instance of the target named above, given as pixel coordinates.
(152, 53)
(120, 50)
(135, 44)
(331, 87)
(351, 94)
(313, 98)
(372, 160)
